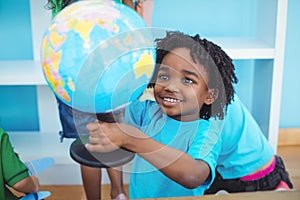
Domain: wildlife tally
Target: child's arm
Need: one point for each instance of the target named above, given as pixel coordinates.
(175, 164)
(29, 184)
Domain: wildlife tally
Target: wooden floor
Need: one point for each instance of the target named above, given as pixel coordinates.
(291, 158)
(290, 155)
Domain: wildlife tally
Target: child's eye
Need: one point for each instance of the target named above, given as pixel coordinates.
(188, 81)
(163, 77)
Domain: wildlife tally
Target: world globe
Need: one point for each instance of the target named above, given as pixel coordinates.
(97, 56)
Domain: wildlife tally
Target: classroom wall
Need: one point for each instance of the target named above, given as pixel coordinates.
(218, 27)
(15, 38)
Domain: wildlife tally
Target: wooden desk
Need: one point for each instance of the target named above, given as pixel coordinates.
(273, 195)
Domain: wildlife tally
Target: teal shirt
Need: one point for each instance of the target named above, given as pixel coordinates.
(196, 138)
(12, 169)
(244, 146)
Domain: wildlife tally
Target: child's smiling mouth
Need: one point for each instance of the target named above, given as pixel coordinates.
(171, 100)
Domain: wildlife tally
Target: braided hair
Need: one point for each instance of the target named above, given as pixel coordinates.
(215, 61)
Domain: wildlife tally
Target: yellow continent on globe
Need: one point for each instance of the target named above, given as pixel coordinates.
(145, 65)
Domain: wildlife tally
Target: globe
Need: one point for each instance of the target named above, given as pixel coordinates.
(97, 56)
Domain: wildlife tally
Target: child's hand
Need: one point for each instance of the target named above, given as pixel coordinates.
(105, 137)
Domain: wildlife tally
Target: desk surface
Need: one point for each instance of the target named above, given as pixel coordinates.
(273, 195)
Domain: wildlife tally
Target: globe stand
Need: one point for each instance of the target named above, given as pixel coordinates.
(115, 158)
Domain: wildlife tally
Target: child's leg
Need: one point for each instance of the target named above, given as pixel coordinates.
(91, 178)
(116, 179)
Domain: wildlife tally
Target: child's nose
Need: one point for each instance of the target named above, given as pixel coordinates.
(172, 86)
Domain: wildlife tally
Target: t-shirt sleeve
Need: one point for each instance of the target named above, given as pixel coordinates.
(14, 170)
(135, 113)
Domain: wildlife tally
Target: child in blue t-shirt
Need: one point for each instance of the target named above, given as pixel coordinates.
(193, 124)
(176, 144)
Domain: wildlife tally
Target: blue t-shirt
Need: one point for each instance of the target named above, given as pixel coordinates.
(244, 146)
(199, 139)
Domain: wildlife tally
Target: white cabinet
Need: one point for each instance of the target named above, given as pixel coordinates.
(265, 47)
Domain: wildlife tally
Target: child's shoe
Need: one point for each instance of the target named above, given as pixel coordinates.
(282, 186)
(121, 196)
(220, 192)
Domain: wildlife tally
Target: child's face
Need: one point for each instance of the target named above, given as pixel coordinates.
(181, 86)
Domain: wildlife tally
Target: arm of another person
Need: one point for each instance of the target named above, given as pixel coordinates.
(139, 7)
(29, 184)
(175, 164)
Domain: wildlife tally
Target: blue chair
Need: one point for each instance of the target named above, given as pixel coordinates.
(37, 196)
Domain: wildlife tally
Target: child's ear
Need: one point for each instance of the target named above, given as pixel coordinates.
(212, 96)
